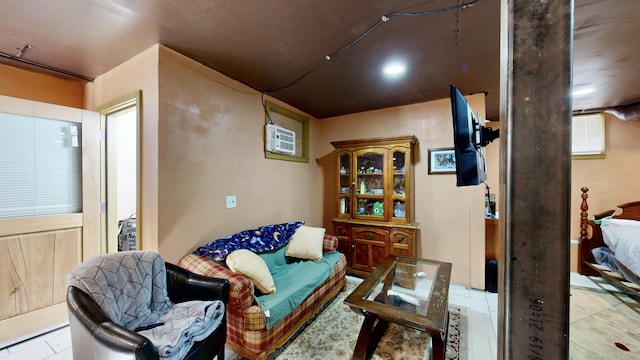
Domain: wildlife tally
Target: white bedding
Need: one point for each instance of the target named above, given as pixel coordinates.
(623, 238)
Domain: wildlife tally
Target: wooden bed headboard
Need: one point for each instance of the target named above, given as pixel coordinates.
(593, 239)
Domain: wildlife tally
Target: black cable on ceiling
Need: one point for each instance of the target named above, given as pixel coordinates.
(383, 19)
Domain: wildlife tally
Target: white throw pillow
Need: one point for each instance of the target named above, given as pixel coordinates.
(306, 243)
(251, 265)
(614, 229)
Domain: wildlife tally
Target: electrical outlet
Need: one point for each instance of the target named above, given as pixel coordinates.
(231, 201)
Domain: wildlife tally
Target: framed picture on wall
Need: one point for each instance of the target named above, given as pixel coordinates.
(442, 161)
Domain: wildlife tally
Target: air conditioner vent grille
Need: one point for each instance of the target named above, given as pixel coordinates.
(280, 140)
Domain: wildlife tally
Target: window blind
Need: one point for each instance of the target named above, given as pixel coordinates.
(587, 135)
(40, 166)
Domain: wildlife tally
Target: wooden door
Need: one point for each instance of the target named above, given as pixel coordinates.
(37, 252)
(369, 247)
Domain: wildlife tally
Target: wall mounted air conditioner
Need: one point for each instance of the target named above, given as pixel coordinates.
(280, 140)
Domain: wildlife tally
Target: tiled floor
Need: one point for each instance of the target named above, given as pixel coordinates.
(482, 320)
(481, 340)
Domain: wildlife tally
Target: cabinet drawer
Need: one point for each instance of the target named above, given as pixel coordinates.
(370, 234)
(402, 243)
(341, 230)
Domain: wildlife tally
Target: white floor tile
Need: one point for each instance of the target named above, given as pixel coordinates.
(477, 294)
(64, 355)
(458, 290)
(61, 341)
(4, 353)
(34, 351)
(492, 301)
(494, 321)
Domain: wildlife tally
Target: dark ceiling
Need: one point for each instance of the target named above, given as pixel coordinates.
(269, 44)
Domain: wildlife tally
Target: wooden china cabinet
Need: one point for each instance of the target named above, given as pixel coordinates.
(375, 201)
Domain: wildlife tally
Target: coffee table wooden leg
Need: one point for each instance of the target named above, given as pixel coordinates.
(439, 343)
(360, 352)
(438, 347)
(371, 332)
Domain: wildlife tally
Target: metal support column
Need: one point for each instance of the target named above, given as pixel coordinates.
(535, 179)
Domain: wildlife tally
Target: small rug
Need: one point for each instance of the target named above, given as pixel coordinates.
(334, 332)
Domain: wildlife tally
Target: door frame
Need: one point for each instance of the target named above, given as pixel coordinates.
(108, 193)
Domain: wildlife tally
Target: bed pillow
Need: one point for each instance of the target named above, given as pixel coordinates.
(251, 265)
(306, 243)
(615, 229)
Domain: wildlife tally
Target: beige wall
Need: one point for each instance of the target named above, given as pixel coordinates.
(451, 219)
(613, 180)
(25, 84)
(210, 146)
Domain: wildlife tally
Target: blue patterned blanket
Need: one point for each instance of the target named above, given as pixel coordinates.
(264, 238)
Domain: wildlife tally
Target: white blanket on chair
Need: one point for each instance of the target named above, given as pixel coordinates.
(184, 324)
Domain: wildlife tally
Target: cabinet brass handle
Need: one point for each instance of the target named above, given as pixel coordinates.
(368, 236)
(401, 239)
(353, 247)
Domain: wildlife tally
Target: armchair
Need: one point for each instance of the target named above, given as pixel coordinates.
(111, 295)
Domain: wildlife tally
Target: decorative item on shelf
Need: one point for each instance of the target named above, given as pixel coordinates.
(398, 209)
(398, 185)
(363, 187)
(343, 170)
(378, 208)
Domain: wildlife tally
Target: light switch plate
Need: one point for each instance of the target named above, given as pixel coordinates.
(231, 201)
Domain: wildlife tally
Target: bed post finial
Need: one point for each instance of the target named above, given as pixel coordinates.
(584, 207)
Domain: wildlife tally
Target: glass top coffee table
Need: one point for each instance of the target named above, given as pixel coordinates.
(407, 291)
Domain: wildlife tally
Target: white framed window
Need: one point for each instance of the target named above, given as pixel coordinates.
(588, 137)
(41, 162)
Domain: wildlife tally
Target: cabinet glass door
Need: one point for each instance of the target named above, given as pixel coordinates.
(344, 184)
(369, 192)
(399, 196)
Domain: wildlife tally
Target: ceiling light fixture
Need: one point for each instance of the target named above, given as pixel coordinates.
(394, 69)
(583, 91)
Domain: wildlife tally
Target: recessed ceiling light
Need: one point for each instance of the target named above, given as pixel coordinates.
(394, 69)
(583, 91)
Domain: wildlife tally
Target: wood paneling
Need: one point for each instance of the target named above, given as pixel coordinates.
(39, 321)
(34, 269)
(39, 223)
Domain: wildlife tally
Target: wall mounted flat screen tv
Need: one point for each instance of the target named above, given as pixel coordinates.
(469, 139)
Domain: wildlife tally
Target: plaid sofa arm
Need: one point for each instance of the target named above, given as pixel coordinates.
(329, 243)
(240, 287)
